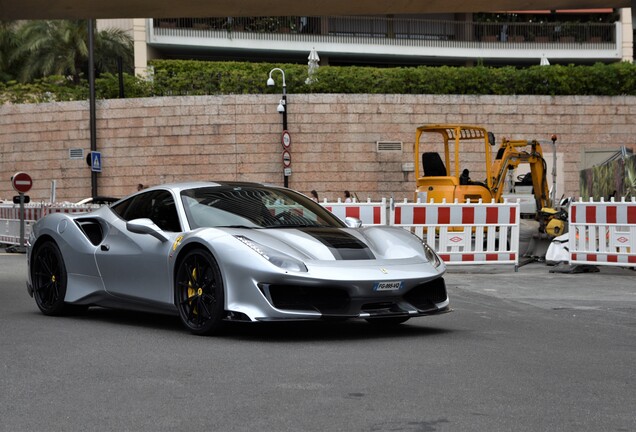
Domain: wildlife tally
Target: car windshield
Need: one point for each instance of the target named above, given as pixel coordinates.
(248, 206)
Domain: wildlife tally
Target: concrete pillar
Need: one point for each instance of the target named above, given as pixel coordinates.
(627, 31)
(140, 46)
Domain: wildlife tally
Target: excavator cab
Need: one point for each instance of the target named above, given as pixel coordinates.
(444, 176)
(458, 149)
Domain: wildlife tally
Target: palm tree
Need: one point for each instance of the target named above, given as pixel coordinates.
(8, 44)
(111, 44)
(60, 47)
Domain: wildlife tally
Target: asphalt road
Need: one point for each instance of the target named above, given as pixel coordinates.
(527, 351)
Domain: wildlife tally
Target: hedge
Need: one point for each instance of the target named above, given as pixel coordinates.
(190, 77)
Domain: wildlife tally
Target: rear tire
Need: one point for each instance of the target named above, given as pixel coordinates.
(199, 294)
(49, 278)
(387, 322)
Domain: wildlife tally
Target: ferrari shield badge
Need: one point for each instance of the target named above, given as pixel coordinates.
(175, 245)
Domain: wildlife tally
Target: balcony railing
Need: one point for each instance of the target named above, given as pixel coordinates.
(397, 32)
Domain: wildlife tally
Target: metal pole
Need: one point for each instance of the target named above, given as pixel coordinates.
(285, 106)
(554, 173)
(21, 246)
(120, 74)
(285, 178)
(91, 101)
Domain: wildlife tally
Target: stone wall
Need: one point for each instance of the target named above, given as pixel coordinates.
(237, 137)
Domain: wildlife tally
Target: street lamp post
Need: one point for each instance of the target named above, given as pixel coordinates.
(91, 100)
(282, 108)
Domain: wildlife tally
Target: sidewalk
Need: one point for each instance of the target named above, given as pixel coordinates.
(534, 283)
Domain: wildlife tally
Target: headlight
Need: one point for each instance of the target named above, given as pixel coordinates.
(431, 256)
(277, 258)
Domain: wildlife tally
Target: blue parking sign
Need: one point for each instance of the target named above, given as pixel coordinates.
(96, 161)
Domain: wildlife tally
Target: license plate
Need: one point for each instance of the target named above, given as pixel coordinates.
(387, 286)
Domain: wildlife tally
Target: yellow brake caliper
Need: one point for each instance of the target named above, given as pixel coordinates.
(192, 292)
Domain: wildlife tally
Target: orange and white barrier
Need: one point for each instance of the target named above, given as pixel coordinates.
(464, 233)
(369, 213)
(603, 233)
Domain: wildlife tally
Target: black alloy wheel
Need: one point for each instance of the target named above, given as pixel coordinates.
(199, 293)
(48, 275)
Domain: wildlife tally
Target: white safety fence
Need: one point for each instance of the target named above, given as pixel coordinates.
(369, 213)
(10, 218)
(464, 233)
(603, 233)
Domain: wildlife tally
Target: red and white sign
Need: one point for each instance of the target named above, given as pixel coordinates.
(21, 182)
(286, 139)
(286, 159)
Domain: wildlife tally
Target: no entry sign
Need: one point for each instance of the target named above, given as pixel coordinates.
(21, 182)
(286, 159)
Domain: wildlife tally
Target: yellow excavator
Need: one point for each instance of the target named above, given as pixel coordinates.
(466, 147)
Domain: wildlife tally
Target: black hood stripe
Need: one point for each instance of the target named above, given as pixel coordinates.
(342, 245)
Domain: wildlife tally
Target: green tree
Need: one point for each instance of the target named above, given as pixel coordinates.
(8, 44)
(60, 47)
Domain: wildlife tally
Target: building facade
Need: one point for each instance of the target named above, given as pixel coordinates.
(450, 39)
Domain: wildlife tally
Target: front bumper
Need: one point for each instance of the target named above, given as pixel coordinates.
(336, 289)
(352, 301)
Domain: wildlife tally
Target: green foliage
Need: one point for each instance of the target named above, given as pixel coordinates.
(189, 77)
(34, 49)
(107, 87)
(50, 89)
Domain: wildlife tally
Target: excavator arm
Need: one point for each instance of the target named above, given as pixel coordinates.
(510, 155)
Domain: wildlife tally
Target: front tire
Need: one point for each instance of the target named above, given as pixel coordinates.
(49, 278)
(199, 295)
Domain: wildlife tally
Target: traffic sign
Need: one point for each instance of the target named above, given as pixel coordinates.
(286, 139)
(21, 182)
(25, 199)
(286, 159)
(96, 161)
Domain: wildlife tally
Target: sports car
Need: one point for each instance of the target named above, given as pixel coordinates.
(213, 252)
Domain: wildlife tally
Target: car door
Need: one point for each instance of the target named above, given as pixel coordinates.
(136, 266)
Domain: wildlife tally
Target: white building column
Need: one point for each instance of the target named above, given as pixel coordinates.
(627, 31)
(140, 46)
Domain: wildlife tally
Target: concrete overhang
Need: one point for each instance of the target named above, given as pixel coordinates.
(74, 9)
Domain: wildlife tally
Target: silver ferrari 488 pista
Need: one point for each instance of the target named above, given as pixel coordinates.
(213, 252)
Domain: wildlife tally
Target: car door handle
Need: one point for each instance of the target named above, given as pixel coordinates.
(105, 248)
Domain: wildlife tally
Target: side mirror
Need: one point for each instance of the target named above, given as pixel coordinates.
(491, 139)
(352, 222)
(146, 226)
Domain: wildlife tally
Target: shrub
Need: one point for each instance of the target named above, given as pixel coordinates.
(190, 77)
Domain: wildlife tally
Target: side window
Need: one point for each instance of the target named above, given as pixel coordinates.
(164, 212)
(158, 206)
(141, 206)
(121, 208)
